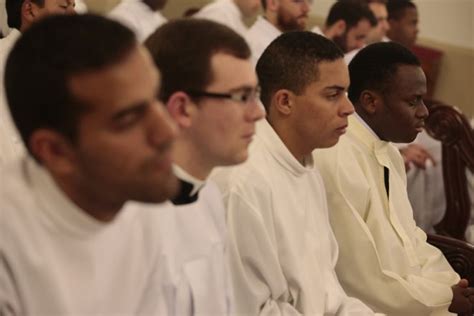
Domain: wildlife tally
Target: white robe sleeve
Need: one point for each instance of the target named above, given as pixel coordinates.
(260, 287)
(9, 303)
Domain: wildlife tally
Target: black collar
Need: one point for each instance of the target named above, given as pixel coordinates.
(184, 196)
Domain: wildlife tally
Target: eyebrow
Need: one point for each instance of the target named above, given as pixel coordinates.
(335, 87)
(134, 108)
(244, 87)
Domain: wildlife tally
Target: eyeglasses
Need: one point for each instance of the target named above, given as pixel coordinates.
(244, 95)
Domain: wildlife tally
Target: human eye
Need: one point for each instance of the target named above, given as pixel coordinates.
(333, 95)
(415, 101)
(129, 118)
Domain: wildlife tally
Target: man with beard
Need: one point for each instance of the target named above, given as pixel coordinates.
(142, 16)
(279, 16)
(230, 13)
(348, 24)
(72, 241)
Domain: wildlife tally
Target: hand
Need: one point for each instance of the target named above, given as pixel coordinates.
(417, 155)
(463, 298)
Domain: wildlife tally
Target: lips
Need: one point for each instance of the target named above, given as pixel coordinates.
(420, 127)
(342, 129)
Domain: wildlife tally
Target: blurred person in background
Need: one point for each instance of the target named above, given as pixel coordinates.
(230, 13)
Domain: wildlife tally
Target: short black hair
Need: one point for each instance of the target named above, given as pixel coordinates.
(43, 60)
(396, 8)
(13, 8)
(291, 62)
(182, 49)
(350, 12)
(374, 66)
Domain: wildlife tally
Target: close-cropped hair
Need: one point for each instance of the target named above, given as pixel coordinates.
(374, 67)
(396, 8)
(44, 60)
(13, 8)
(350, 12)
(182, 49)
(291, 62)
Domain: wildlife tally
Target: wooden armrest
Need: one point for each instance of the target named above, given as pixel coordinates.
(460, 254)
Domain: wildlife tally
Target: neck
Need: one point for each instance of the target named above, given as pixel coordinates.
(271, 17)
(369, 120)
(289, 138)
(93, 202)
(191, 159)
(329, 32)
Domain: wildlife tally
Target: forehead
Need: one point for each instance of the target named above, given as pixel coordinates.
(58, 2)
(132, 80)
(410, 14)
(408, 80)
(378, 9)
(230, 72)
(331, 74)
(361, 28)
(294, 3)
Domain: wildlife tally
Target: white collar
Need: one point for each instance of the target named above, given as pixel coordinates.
(360, 119)
(185, 176)
(267, 135)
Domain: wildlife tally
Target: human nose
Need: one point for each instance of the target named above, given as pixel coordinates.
(162, 128)
(422, 111)
(347, 108)
(255, 111)
(306, 6)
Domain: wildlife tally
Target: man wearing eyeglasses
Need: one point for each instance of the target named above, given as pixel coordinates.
(210, 89)
(281, 246)
(279, 16)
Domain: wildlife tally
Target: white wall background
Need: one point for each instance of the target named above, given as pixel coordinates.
(445, 21)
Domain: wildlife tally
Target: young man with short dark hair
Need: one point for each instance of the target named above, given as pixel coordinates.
(279, 16)
(348, 23)
(384, 258)
(82, 93)
(403, 20)
(282, 249)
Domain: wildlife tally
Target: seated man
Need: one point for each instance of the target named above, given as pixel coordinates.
(230, 13)
(348, 24)
(282, 249)
(97, 137)
(278, 16)
(384, 257)
(379, 32)
(211, 93)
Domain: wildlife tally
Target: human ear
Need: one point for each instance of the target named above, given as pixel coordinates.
(53, 150)
(283, 101)
(180, 107)
(339, 27)
(28, 13)
(370, 101)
